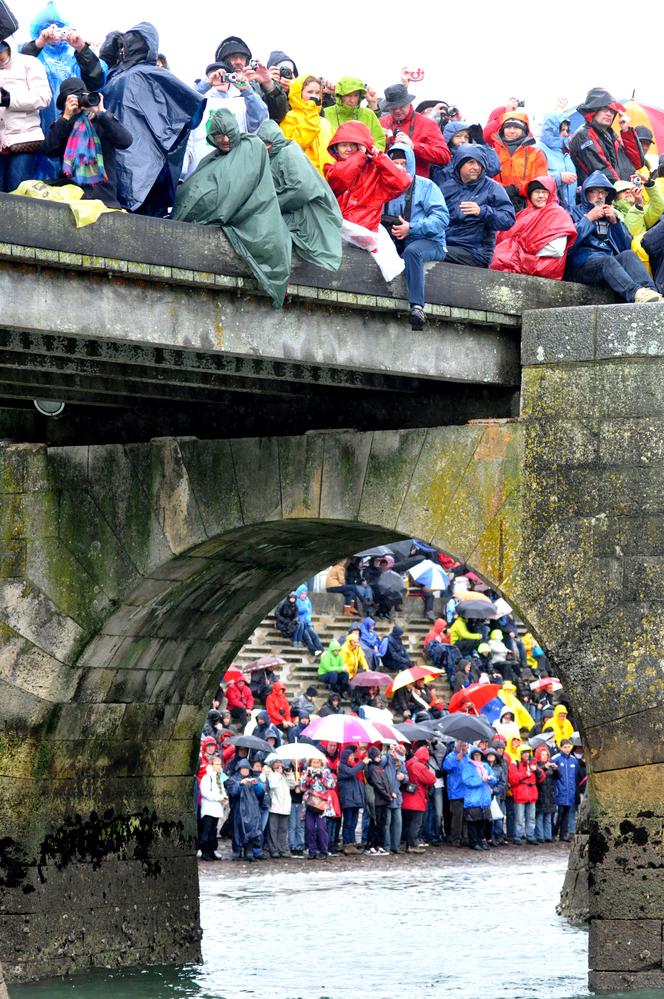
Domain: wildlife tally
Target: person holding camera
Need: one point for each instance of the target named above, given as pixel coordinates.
(417, 221)
(231, 90)
(24, 91)
(84, 140)
(596, 146)
(520, 158)
(403, 124)
(235, 53)
(602, 254)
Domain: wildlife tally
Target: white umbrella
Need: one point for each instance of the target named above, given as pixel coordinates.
(428, 574)
(297, 751)
(377, 714)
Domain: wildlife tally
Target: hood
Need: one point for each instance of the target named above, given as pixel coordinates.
(551, 136)
(452, 127)
(223, 122)
(397, 631)
(150, 37)
(346, 752)
(207, 741)
(422, 754)
(506, 710)
(301, 590)
(515, 116)
(270, 132)
(549, 183)
(475, 749)
(597, 98)
(597, 179)
(374, 754)
(558, 710)
(334, 646)
(278, 56)
(351, 131)
(348, 85)
(368, 623)
(295, 91)
(410, 168)
(231, 45)
(278, 688)
(46, 16)
(469, 151)
(514, 751)
(496, 635)
(508, 685)
(213, 716)
(263, 717)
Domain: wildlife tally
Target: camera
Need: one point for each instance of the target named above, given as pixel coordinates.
(452, 109)
(230, 77)
(521, 104)
(91, 100)
(286, 73)
(60, 32)
(254, 64)
(602, 227)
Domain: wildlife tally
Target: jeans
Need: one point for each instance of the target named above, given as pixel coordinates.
(459, 255)
(498, 829)
(524, 820)
(305, 633)
(544, 826)
(296, 827)
(624, 272)
(15, 169)
(336, 680)
(414, 257)
(565, 821)
(434, 820)
(393, 827)
(316, 833)
(349, 825)
(333, 832)
(412, 824)
(352, 592)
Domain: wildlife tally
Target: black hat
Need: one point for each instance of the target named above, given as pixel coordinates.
(425, 105)
(232, 46)
(72, 85)
(397, 153)
(644, 132)
(596, 98)
(214, 66)
(396, 96)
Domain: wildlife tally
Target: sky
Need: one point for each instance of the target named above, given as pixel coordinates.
(538, 53)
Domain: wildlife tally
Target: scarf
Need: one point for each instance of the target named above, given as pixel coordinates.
(83, 161)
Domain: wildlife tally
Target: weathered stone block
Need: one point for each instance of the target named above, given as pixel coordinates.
(625, 945)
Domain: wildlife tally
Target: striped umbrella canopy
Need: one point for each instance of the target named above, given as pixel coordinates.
(342, 728)
(407, 676)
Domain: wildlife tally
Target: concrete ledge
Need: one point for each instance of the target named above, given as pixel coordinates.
(592, 333)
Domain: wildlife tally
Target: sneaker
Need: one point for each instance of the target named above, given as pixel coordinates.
(318, 654)
(372, 852)
(647, 295)
(417, 317)
(381, 852)
(416, 849)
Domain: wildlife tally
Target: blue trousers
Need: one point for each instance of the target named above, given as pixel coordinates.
(15, 169)
(296, 827)
(524, 820)
(350, 824)
(393, 826)
(414, 257)
(305, 633)
(624, 272)
(544, 826)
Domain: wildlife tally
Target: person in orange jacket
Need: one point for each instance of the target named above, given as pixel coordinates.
(277, 706)
(508, 132)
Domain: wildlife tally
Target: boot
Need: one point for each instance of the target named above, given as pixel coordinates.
(348, 610)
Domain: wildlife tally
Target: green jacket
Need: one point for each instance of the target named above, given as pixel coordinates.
(234, 190)
(639, 220)
(308, 205)
(330, 661)
(338, 113)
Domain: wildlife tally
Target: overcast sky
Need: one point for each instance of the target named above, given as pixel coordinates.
(474, 54)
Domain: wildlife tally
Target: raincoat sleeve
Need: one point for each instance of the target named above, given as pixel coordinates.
(276, 102)
(394, 181)
(377, 131)
(92, 69)
(34, 93)
(256, 109)
(655, 207)
(498, 211)
(430, 144)
(435, 218)
(493, 125)
(341, 174)
(632, 147)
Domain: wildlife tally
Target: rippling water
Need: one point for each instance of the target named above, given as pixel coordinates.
(378, 930)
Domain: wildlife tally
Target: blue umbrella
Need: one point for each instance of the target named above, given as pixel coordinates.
(429, 574)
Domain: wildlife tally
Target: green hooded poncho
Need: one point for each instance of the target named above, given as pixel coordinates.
(339, 113)
(330, 661)
(308, 205)
(235, 191)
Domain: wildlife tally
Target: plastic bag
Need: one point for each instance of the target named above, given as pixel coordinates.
(84, 212)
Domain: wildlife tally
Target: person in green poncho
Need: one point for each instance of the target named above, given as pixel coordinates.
(331, 669)
(349, 94)
(232, 187)
(308, 205)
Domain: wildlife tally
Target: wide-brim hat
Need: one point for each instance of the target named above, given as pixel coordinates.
(396, 96)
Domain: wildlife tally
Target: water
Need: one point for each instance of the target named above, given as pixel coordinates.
(454, 928)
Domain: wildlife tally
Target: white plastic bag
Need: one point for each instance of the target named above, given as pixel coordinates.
(379, 244)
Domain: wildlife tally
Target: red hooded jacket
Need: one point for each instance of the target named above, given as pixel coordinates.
(522, 778)
(517, 248)
(238, 695)
(418, 773)
(277, 705)
(363, 183)
(429, 145)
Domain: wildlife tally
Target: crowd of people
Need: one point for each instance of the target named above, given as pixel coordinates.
(277, 790)
(284, 160)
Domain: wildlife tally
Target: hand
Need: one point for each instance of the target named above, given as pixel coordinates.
(329, 88)
(262, 74)
(401, 777)
(405, 76)
(610, 214)
(568, 178)
(371, 98)
(243, 78)
(75, 40)
(216, 78)
(71, 107)
(511, 104)
(92, 113)
(624, 120)
(469, 208)
(595, 213)
(46, 36)
(401, 231)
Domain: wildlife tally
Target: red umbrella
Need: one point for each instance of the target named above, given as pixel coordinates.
(478, 694)
(407, 676)
(549, 683)
(233, 673)
(371, 678)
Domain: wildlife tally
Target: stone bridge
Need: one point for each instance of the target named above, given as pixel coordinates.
(131, 571)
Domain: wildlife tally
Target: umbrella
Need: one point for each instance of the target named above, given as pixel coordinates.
(297, 751)
(375, 552)
(390, 584)
(639, 114)
(266, 662)
(428, 574)
(474, 595)
(478, 694)
(371, 678)
(342, 728)
(390, 733)
(502, 607)
(251, 742)
(549, 683)
(576, 739)
(545, 739)
(466, 728)
(416, 733)
(407, 676)
(233, 673)
(482, 609)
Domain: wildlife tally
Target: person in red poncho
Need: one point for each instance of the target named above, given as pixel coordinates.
(538, 242)
(278, 707)
(363, 178)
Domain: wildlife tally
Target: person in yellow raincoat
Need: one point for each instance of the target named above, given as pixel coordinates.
(508, 696)
(304, 124)
(513, 750)
(352, 656)
(560, 725)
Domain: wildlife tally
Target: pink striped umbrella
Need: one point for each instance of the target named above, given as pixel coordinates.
(342, 728)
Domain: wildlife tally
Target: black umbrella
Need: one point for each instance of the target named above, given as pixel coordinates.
(390, 584)
(375, 552)
(466, 728)
(416, 732)
(479, 609)
(251, 742)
